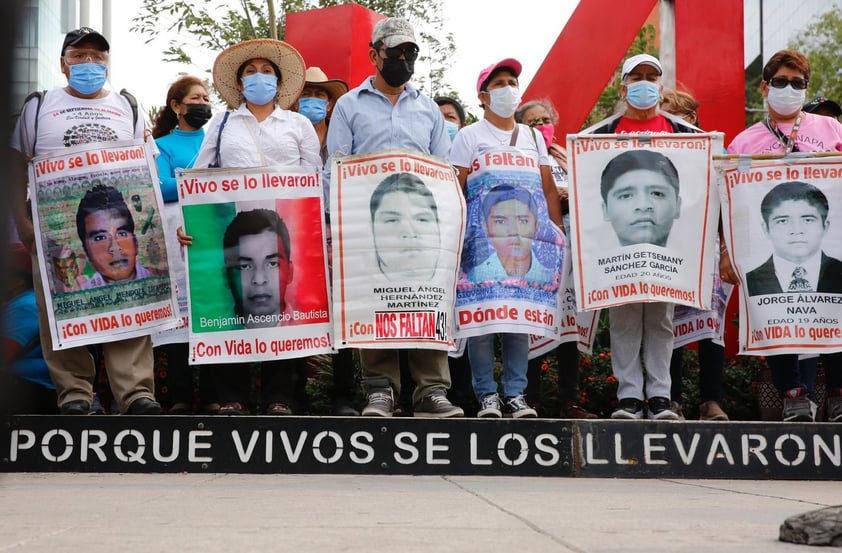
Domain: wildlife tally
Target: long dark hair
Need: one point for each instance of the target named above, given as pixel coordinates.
(167, 120)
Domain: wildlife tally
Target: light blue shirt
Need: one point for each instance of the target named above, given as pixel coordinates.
(176, 150)
(364, 120)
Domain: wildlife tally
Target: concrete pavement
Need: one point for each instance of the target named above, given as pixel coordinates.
(57, 512)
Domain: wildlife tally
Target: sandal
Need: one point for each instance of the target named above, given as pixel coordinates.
(278, 409)
(233, 408)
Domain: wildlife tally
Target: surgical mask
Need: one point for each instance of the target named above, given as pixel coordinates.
(547, 131)
(787, 100)
(504, 100)
(452, 129)
(314, 109)
(643, 94)
(397, 71)
(86, 78)
(197, 115)
(260, 88)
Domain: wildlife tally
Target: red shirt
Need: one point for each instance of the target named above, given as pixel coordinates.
(659, 123)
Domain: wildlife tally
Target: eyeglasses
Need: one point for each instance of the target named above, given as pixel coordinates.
(410, 53)
(782, 82)
(82, 57)
(541, 121)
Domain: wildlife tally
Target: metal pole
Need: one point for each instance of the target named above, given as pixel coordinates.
(666, 11)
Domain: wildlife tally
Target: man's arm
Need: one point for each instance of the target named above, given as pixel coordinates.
(20, 208)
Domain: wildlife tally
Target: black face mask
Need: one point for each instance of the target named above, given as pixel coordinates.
(197, 115)
(397, 71)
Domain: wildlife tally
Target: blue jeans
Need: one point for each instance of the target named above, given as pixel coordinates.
(515, 362)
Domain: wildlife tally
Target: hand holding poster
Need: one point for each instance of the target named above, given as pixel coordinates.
(103, 263)
(397, 224)
(644, 218)
(257, 270)
(776, 217)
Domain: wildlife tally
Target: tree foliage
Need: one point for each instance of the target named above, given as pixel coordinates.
(643, 43)
(216, 24)
(821, 42)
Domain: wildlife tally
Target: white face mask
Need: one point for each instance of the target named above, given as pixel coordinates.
(504, 101)
(787, 100)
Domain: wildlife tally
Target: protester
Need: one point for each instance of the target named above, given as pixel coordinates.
(711, 354)
(510, 223)
(260, 79)
(178, 133)
(25, 385)
(453, 113)
(542, 116)
(316, 103)
(643, 328)
(786, 129)
(61, 115)
(823, 106)
(387, 112)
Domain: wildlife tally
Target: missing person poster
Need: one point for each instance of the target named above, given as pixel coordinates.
(643, 214)
(691, 325)
(100, 242)
(778, 218)
(257, 268)
(397, 222)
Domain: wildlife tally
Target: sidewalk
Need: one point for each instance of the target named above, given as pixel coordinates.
(231, 513)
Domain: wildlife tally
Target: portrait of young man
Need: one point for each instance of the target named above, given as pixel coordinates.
(795, 223)
(106, 229)
(258, 267)
(640, 197)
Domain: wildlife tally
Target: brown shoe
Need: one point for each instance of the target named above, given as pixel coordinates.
(711, 411)
(572, 410)
(675, 407)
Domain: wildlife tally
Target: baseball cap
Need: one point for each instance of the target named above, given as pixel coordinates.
(392, 32)
(84, 33)
(634, 61)
(510, 63)
(822, 102)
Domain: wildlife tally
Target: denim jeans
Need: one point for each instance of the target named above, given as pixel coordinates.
(515, 361)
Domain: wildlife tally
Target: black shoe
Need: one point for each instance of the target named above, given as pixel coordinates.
(75, 407)
(659, 409)
(628, 408)
(144, 406)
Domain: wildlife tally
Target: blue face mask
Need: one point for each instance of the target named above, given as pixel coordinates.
(643, 94)
(314, 109)
(260, 88)
(452, 129)
(86, 78)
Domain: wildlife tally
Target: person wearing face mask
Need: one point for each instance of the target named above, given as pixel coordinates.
(317, 100)
(387, 112)
(178, 134)
(510, 224)
(260, 80)
(453, 113)
(642, 330)
(79, 113)
(786, 129)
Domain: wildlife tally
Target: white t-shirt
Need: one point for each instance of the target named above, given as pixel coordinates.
(482, 135)
(66, 121)
(285, 138)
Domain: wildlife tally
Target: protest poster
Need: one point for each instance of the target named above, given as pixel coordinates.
(171, 215)
(777, 216)
(257, 269)
(643, 214)
(100, 242)
(690, 325)
(574, 325)
(397, 222)
(511, 268)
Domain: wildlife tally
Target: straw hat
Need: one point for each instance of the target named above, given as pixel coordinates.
(334, 87)
(280, 53)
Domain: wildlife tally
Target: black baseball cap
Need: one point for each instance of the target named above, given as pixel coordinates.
(84, 33)
(822, 102)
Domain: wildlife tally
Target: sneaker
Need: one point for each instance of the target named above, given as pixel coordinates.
(628, 408)
(798, 407)
(659, 409)
(517, 408)
(379, 403)
(675, 407)
(711, 411)
(572, 410)
(490, 407)
(438, 406)
(834, 407)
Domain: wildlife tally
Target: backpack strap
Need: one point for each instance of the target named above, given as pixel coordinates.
(39, 96)
(132, 104)
(216, 160)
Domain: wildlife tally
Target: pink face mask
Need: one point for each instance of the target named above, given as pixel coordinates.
(547, 131)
